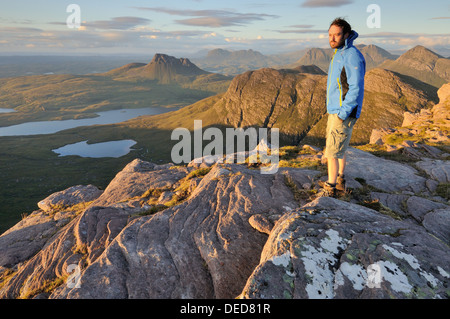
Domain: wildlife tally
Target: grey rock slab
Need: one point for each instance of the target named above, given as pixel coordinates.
(333, 249)
(386, 175)
(204, 247)
(436, 169)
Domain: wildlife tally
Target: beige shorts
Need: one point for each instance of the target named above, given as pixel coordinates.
(339, 134)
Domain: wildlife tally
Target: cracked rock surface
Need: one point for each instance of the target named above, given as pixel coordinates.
(330, 249)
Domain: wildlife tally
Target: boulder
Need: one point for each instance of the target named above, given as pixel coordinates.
(70, 197)
(137, 178)
(409, 118)
(377, 137)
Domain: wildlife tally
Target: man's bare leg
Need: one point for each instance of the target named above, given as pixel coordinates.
(342, 164)
(333, 169)
(336, 166)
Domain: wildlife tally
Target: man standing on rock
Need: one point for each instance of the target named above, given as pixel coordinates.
(345, 94)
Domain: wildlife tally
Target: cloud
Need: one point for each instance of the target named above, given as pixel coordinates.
(212, 18)
(440, 18)
(222, 21)
(302, 26)
(325, 3)
(15, 21)
(302, 31)
(387, 35)
(118, 23)
(18, 30)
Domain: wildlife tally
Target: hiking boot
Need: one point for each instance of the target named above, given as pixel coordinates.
(327, 190)
(340, 183)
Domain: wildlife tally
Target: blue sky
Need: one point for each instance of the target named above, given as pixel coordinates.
(184, 27)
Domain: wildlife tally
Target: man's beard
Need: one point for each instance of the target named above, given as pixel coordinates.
(336, 45)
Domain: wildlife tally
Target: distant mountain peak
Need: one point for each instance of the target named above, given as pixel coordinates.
(421, 51)
(166, 68)
(170, 60)
(422, 64)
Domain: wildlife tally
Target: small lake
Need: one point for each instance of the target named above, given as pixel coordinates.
(107, 117)
(6, 110)
(114, 149)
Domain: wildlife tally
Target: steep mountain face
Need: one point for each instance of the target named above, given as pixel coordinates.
(287, 99)
(316, 56)
(375, 55)
(422, 64)
(162, 67)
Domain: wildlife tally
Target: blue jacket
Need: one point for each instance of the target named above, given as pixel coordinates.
(345, 85)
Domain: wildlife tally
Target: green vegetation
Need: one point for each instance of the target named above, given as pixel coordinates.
(300, 195)
(443, 190)
(181, 193)
(198, 173)
(153, 210)
(46, 287)
(291, 156)
(379, 207)
(380, 151)
(5, 276)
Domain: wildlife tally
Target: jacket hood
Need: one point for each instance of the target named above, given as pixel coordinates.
(352, 37)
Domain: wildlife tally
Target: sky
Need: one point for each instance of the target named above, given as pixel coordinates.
(185, 27)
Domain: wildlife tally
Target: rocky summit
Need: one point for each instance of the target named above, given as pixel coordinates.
(224, 230)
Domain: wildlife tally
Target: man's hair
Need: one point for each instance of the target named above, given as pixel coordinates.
(346, 28)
